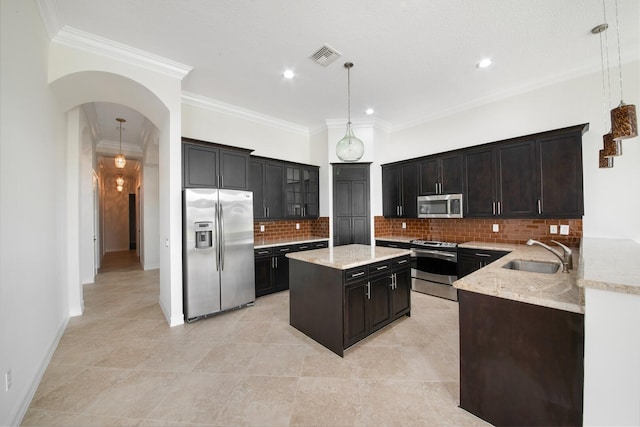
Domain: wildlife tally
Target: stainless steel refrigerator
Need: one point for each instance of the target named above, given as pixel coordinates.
(217, 251)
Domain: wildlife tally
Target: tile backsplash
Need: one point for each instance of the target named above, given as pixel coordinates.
(287, 229)
(467, 229)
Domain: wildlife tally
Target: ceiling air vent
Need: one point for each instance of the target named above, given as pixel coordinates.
(325, 55)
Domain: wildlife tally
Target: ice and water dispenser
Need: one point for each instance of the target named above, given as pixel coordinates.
(204, 234)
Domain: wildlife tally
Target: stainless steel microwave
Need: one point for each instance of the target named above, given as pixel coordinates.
(440, 206)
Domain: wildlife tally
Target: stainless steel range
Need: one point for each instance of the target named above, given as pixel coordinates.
(434, 267)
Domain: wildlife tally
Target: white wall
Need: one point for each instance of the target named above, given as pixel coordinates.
(33, 228)
(265, 139)
(116, 214)
(149, 194)
(611, 205)
(87, 233)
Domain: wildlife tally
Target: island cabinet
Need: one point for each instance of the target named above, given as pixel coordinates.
(209, 165)
(441, 174)
(470, 260)
(520, 363)
(338, 307)
(400, 190)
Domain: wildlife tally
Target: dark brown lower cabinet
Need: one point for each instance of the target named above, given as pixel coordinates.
(338, 308)
(520, 364)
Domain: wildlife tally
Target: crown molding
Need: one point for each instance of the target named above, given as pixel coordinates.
(378, 124)
(211, 104)
(72, 37)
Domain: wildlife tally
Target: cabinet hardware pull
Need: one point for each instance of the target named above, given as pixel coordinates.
(499, 209)
(276, 260)
(382, 267)
(484, 255)
(358, 274)
(402, 261)
(436, 188)
(539, 207)
(368, 290)
(304, 247)
(493, 207)
(284, 249)
(263, 252)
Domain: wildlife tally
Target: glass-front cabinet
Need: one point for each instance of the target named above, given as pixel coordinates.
(302, 191)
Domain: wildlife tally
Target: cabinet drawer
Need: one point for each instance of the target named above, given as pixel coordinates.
(380, 268)
(355, 273)
(319, 245)
(401, 262)
(262, 252)
(279, 250)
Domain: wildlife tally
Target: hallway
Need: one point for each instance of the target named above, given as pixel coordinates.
(120, 364)
(120, 261)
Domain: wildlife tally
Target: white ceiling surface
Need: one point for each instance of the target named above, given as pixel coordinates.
(415, 60)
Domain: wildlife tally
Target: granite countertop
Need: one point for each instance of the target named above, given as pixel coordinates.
(398, 238)
(267, 243)
(348, 256)
(610, 265)
(558, 290)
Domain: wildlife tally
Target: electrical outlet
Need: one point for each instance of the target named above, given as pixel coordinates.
(7, 380)
(404, 225)
(564, 230)
(496, 228)
(262, 228)
(297, 226)
(553, 229)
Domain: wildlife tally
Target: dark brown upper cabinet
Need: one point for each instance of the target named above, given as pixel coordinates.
(441, 174)
(400, 190)
(267, 184)
(209, 165)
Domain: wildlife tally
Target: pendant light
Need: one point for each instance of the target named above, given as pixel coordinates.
(120, 161)
(624, 122)
(119, 182)
(349, 148)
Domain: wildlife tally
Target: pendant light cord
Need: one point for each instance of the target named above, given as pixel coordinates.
(349, 65)
(619, 55)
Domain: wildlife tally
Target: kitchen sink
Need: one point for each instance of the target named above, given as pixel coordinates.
(533, 266)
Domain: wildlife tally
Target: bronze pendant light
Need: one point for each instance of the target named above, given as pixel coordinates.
(119, 160)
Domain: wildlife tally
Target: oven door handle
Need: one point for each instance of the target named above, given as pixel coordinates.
(435, 254)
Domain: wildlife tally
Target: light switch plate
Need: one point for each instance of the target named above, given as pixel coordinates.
(496, 228)
(262, 228)
(553, 229)
(564, 229)
(404, 225)
(297, 226)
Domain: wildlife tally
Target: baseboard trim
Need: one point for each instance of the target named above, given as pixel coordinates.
(35, 382)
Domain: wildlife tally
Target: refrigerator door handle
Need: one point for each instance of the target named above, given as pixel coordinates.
(215, 239)
(222, 242)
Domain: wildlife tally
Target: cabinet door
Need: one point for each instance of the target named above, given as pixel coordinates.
(355, 313)
(293, 192)
(256, 185)
(264, 278)
(409, 190)
(479, 190)
(274, 190)
(391, 191)
(451, 174)
(401, 294)
(311, 187)
(429, 176)
(281, 273)
(517, 180)
(200, 166)
(379, 302)
(560, 167)
(234, 170)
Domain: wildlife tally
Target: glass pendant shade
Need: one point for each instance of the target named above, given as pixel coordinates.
(119, 188)
(349, 148)
(120, 180)
(624, 121)
(605, 162)
(120, 161)
(612, 148)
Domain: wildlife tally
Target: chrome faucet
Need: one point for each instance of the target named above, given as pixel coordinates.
(565, 256)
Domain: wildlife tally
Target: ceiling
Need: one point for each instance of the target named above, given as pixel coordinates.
(415, 60)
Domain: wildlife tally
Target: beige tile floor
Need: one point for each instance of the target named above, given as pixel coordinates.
(120, 364)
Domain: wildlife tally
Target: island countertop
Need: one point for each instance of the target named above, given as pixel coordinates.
(348, 256)
(558, 290)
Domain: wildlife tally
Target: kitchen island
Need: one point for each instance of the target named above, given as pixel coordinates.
(340, 295)
(521, 340)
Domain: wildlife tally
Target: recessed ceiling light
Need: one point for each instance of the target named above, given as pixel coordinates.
(484, 63)
(288, 74)
(369, 111)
